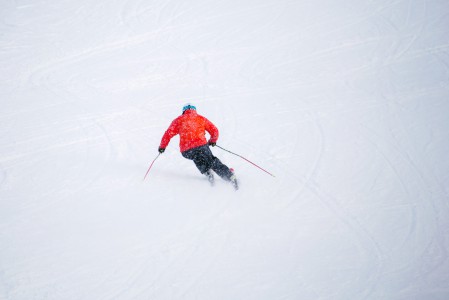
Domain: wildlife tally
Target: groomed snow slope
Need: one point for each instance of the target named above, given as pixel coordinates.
(346, 102)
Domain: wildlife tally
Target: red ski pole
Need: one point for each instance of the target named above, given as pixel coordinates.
(151, 166)
(246, 160)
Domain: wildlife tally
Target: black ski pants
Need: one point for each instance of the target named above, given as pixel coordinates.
(204, 160)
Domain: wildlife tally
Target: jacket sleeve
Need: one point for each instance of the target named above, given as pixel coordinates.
(212, 130)
(172, 130)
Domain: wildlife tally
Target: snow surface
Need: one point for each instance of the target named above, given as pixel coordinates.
(346, 102)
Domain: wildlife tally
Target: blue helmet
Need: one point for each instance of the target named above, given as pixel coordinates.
(188, 106)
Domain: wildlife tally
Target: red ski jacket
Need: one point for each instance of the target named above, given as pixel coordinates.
(191, 128)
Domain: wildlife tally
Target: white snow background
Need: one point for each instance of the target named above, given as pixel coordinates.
(346, 102)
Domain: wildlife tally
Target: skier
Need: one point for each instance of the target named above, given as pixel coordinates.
(193, 145)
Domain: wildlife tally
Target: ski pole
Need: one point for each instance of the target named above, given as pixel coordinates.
(151, 166)
(246, 160)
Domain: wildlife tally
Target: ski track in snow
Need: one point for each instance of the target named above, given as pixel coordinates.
(346, 103)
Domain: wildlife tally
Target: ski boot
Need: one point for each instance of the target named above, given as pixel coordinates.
(233, 180)
(210, 177)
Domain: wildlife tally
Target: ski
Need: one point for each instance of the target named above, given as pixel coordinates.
(233, 180)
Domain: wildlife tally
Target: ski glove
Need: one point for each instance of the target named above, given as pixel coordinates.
(161, 150)
(212, 144)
